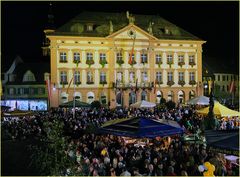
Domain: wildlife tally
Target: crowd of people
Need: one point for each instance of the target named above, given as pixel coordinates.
(107, 155)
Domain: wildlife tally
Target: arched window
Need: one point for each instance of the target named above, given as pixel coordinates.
(181, 96)
(29, 77)
(90, 97)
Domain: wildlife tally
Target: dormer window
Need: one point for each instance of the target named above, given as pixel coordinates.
(89, 27)
(29, 77)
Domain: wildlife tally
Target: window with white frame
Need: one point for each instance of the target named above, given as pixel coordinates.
(158, 58)
(89, 77)
(103, 77)
(89, 56)
(144, 58)
(144, 76)
(170, 58)
(77, 77)
(191, 59)
(119, 56)
(191, 76)
(130, 55)
(63, 57)
(76, 57)
(119, 76)
(102, 57)
(63, 77)
(132, 76)
(180, 58)
(170, 76)
(159, 76)
(181, 76)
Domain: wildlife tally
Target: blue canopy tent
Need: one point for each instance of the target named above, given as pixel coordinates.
(141, 128)
(223, 141)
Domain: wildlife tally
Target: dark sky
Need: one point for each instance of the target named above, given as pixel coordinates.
(215, 22)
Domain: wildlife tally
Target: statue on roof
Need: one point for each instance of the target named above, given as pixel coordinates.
(150, 27)
(110, 27)
(130, 18)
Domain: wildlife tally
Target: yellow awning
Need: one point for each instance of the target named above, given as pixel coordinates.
(219, 110)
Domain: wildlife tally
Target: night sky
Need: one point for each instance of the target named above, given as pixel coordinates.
(215, 22)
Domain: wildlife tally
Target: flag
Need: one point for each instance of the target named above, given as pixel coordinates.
(69, 84)
(48, 86)
(130, 61)
(232, 87)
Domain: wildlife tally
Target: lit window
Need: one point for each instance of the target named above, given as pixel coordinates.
(191, 59)
(77, 77)
(89, 77)
(170, 76)
(103, 77)
(89, 27)
(144, 76)
(180, 58)
(63, 57)
(192, 76)
(63, 77)
(144, 58)
(119, 76)
(76, 57)
(181, 76)
(89, 56)
(132, 76)
(29, 77)
(158, 58)
(169, 58)
(158, 76)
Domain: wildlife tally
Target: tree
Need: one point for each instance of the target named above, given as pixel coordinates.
(170, 104)
(51, 156)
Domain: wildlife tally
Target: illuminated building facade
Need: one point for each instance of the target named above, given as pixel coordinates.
(90, 60)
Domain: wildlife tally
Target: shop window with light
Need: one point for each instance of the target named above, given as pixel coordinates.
(63, 77)
(144, 58)
(158, 58)
(159, 77)
(77, 80)
(131, 77)
(89, 77)
(103, 79)
(144, 76)
(63, 57)
(76, 57)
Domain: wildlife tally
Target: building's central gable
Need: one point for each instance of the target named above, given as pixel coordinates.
(130, 31)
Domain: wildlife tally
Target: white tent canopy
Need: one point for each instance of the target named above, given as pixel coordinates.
(143, 104)
(200, 100)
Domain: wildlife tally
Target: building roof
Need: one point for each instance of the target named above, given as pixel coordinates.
(37, 68)
(101, 26)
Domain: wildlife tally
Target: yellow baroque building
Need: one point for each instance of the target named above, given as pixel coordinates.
(90, 60)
